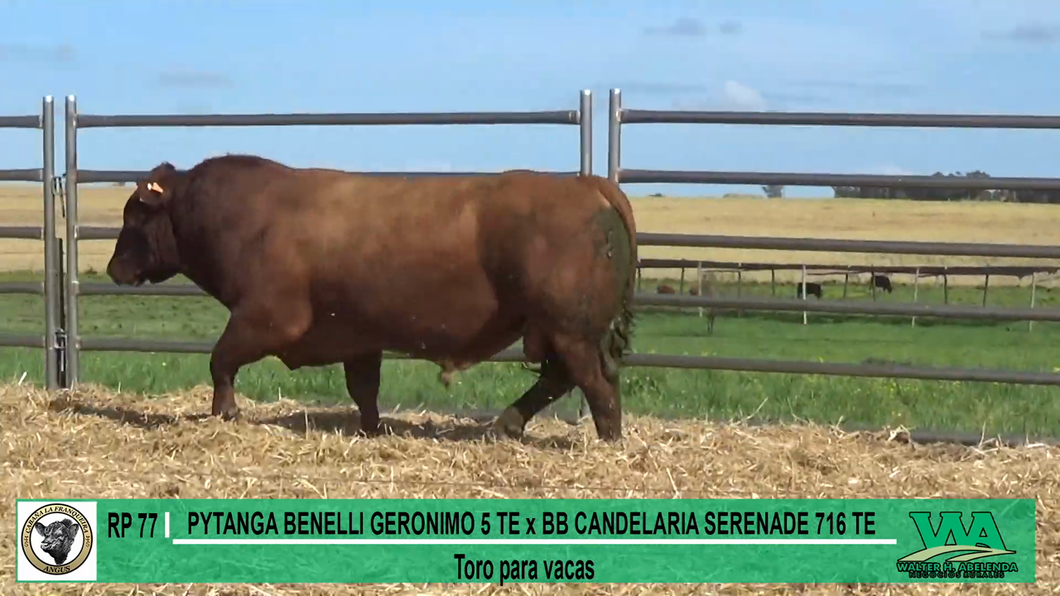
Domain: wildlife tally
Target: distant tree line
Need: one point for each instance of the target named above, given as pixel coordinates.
(937, 194)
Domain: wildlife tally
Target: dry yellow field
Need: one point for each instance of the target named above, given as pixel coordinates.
(748, 216)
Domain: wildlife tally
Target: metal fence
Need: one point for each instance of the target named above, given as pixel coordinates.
(62, 341)
(45, 175)
(75, 343)
(619, 116)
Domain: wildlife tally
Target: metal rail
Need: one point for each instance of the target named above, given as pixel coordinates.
(672, 361)
(94, 176)
(864, 180)
(923, 270)
(22, 232)
(853, 308)
(949, 249)
(646, 299)
(22, 287)
(20, 175)
(332, 119)
(842, 119)
(793, 244)
(10, 340)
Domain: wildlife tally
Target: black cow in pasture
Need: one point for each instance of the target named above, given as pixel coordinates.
(883, 282)
(812, 289)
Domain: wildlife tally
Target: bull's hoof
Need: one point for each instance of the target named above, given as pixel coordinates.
(609, 434)
(510, 423)
(361, 428)
(368, 432)
(229, 413)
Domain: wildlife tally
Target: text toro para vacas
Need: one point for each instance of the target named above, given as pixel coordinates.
(513, 523)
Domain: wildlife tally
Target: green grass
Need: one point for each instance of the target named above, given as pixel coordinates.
(664, 392)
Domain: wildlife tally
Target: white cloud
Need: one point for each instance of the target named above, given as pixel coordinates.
(744, 97)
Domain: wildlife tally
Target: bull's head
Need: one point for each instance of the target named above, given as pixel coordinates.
(146, 249)
(58, 538)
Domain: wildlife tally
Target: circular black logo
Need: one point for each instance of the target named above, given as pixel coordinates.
(56, 539)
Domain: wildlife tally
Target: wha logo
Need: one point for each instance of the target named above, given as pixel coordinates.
(953, 551)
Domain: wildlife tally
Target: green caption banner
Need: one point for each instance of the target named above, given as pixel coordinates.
(527, 540)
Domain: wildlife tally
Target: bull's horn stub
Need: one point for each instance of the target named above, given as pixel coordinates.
(154, 186)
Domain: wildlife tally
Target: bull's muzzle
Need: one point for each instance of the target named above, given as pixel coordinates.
(120, 274)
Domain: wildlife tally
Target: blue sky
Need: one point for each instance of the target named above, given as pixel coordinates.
(962, 56)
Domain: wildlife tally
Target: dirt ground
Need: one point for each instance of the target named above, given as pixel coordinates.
(133, 447)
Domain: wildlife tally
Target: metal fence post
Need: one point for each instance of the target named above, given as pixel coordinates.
(585, 124)
(614, 134)
(51, 302)
(60, 307)
(70, 302)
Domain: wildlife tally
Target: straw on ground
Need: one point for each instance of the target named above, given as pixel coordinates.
(93, 443)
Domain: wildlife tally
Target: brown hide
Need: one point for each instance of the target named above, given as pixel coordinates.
(322, 266)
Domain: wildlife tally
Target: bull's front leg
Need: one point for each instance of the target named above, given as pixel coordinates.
(248, 337)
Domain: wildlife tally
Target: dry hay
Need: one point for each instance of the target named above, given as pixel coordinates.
(93, 443)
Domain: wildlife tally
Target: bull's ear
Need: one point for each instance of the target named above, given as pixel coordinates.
(39, 527)
(71, 528)
(152, 193)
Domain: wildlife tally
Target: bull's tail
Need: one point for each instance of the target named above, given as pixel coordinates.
(617, 342)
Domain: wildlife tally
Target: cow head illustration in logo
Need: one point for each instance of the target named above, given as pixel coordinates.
(58, 538)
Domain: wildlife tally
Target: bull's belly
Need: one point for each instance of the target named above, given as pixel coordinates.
(467, 339)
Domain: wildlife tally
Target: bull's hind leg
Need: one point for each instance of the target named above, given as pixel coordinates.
(362, 382)
(552, 384)
(585, 363)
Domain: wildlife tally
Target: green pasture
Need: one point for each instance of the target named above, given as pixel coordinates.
(976, 407)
